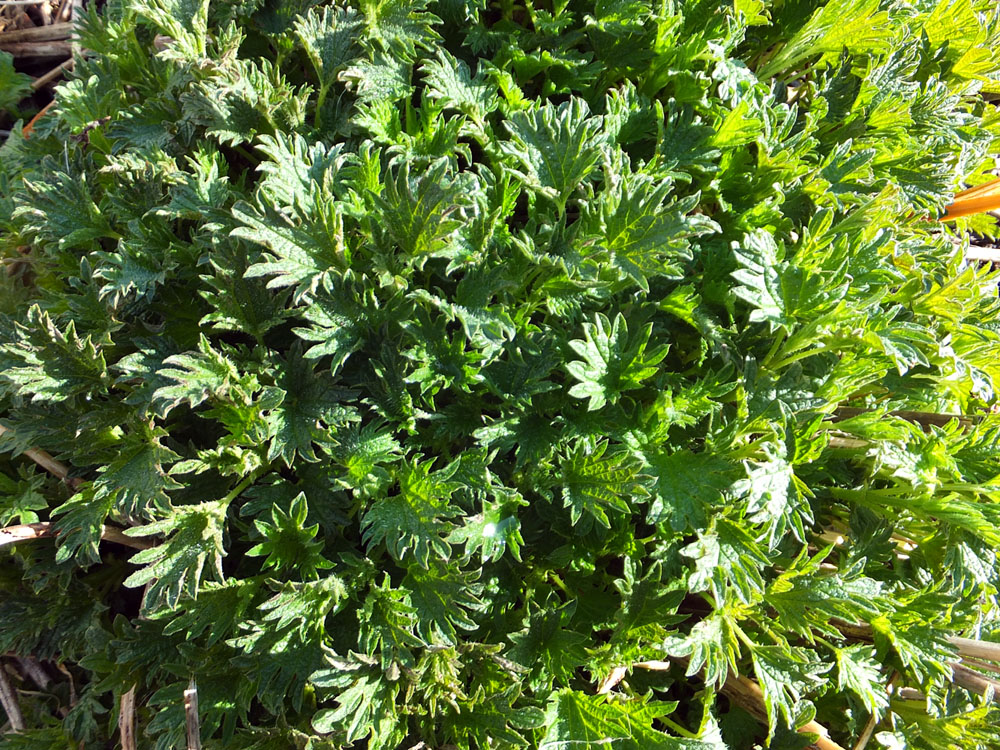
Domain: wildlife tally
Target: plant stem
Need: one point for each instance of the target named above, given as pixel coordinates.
(126, 720)
(192, 722)
(748, 696)
(793, 358)
(554, 577)
(45, 460)
(8, 699)
(43, 529)
(678, 729)
(238, 489)
(320, 98)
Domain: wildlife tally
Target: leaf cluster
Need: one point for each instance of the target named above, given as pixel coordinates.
(452, 357)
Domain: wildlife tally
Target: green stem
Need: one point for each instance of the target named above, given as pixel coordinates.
(742, 636)
(773, 351)
(247, 481)
(246, 155)
(320, 99)
(678, 729)
(793, 358)
(554, 578)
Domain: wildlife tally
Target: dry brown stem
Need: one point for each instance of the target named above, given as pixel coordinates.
(36, 49)
(869, 729)
(846, 442)
(45, 460)
(924, 418)
(126, 720)
(981, 665)
(75, 15)
(866, 733)
(976, 649)
(967, 647)
(742, 691)
(748, 696)
(72, 683)
(46, 78)
(33, 669)
(53, 32)
(191, 717)
(8, 699)
(975, 682)
(44, 529)
(609, 682)
(982, 254)
(21, 20)
(961, 675)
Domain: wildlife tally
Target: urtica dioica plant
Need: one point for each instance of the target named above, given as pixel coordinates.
(530, 374)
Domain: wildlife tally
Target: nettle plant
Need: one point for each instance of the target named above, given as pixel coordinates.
(531, 374)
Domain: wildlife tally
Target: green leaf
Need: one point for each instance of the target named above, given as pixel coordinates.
(363, 452)
(595, 482)
(737, 128)
(805, 599)
(328, 36)
(781, 293)
(288, 543)
(454, 87)
(381, 79)
(298, 176)
(442, 600)
(82, 521)
(713, 646)
(727, 558)
(52, 364)
(185, 21)
(61, 210)
(576, 719)
(774, 498)
(310, 410)
(302, 608)
(419, 214)
(858, 672)
(548, 647)
(238, 303)
(647, 601)
(858, 25)
(216, 613)
(645, 236)
(554, 147)
(785, 675)
(304, 256)
(338, 326)
(491, 532)
(688, 485)
(175, 567)
(21, 497)
(14, 86)
(367, 710)
(204, 373)
(136, 480)
(387, 625)
(923, 649)
(129, 272)
(613, 362)
(281, 660)
(399, 27)
(415, 521)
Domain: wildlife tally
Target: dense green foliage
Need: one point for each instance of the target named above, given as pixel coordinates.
(452, 356)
